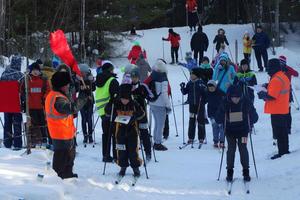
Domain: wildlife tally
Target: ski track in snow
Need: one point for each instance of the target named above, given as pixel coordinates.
(179, 174)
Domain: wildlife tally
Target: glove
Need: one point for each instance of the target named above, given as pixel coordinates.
(169, 110)
(212, 120)
(262, 95)
(182, 85)
(265, 85)
(162, 38)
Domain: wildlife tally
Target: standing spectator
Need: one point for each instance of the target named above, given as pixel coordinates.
(160, 106)
(199, 44)
(290, 72)
(220, 39)
(135, 52)
(277, 104)
(247, 43)
(224, 72)
(174, 38)
(13, 121)
(261, 43)
(59, 113)
(107, 88)
(191, 7)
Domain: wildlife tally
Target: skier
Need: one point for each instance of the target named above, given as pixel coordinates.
(161, 106)
(224, 72)
(247, 43)
(206, 71)
(174, 38)
(135, 52)
(126, 132)
(276, 100)
(191, 7)
(143, 67)
(261, 43)
(133, 30)
(195, 89)
(107, 87)
(245, 77)
(220, 38)
(290, 72)
(214, 100)
(13, 121)
(141, 92)
(199, 44)
(59, 113)
(191, 63)
(88, 109)
(237, 114)
(38, 89)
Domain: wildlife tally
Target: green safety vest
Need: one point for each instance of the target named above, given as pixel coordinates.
(103, 96)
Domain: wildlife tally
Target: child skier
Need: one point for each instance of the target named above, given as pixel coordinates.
(220, 38)
(135, 52)
(126, 113)
(214, 100)
(237, 114)
(247, 43)
(191, 63)
(141, 92)
(245, 77)
(195, 89)
(174, 38)
(206, 70)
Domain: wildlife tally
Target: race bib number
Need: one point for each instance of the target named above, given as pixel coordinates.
(120, 147)
(235, 117)
(123, 119)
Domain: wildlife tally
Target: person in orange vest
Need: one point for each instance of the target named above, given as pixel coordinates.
(59, 114)
(277, 104)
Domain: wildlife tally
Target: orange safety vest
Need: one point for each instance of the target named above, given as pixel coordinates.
(61, 126)
(279, 88)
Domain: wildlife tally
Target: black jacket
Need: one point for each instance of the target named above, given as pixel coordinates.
(214, 100)
(220, 39)
(199, 41)
(237, 128)
(195, 90)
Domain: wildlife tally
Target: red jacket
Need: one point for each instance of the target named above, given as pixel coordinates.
(38, 88)
(191, 5)
(174, 39)
(134, 54)
(291, 72)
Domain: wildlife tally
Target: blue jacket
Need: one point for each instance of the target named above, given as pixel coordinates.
(195, 90)
(191, 64)
(261, 41)
(214, 100)
(224, 75)
(13, 71)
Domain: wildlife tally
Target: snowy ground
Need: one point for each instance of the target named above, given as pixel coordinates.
(179, 174)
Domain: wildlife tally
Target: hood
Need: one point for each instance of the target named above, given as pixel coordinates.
(16, 63)
(224, 56)
(103, 77)
(136, 48)
(160, 66)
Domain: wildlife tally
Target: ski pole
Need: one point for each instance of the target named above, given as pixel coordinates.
(297, 102)
(143, 156)
(213, 53)
(94, 132)
(1, 123)
(186, 17)
(230, 53)
(251, 143)
(180, 52)
(109, 137)
(184, 73)
(223, 149)
(175, 121)
(182, 99)
(150, 130)
(163, 45)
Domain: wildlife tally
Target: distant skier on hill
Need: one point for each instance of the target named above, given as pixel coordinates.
(174, 38)
(191, 7)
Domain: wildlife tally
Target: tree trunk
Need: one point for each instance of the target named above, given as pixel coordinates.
(277, 30)
(2, 26)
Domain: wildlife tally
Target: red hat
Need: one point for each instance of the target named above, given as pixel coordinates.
(282, 59)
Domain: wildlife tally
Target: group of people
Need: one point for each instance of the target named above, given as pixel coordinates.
(218, 91)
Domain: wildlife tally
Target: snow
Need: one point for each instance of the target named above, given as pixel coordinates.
(179, 174)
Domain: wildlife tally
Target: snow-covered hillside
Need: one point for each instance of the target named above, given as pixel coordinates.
(180, 174)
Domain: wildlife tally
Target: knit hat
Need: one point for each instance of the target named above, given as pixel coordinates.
(188, 55)
(282, 59)
(125, 91)
(234, 91)
(108, 66)
(60, 79)
(244, 62)
(136, 43)
(135, 72)
(212, 82)
(34, 66)
(273, 66)
(196, 71)
(48, 63)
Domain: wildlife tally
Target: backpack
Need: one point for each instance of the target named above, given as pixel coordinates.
(153, 90)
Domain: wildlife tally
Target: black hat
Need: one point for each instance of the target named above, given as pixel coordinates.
(244, 62)
(60, 79)
(259, 26)
(34, 66)
(196, 72)
(205, 58)
(171, 30)
(200, 29)
(39, 61)
(135, 72)
(125, 91)
(234, 91)
(107, 66)
(273, 66)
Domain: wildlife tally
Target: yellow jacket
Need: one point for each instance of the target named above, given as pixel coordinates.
(247, 45)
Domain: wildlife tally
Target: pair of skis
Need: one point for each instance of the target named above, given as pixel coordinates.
(133, 181)
(190, 144)
(230, 184)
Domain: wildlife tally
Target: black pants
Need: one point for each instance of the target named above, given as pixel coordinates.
(87, 120)
(12, 130)
(261, 53)
(127, 147)
(107, 137)
(289, 121)
(192, 20)
(174, 54)
(232, 142)
(201, 53)
(38, 129)
(280, 132)
(247, 56)
(145, 139)
(196, 117)
(166, 128)
(63, 161)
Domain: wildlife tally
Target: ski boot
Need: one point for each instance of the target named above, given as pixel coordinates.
(229, 176)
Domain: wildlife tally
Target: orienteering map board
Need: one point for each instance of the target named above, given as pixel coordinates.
(10, 97)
